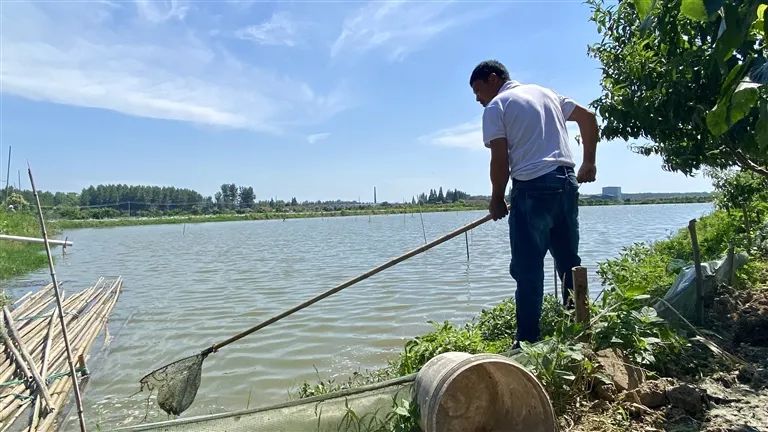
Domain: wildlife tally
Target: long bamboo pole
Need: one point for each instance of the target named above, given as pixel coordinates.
(350, 282)
(70, 360)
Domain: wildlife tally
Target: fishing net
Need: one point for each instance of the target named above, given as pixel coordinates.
(369, 408)
(176, 383)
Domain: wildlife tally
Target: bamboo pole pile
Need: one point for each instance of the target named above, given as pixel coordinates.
(33, 347)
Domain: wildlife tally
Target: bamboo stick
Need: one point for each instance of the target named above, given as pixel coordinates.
(41, 387)
(13, 419)
(74, 303)
(6, 373)
(39, 312)
(23, 298)
(56, 351)
(58, 302)
(85, 329)
(88, 339)
(16, 355)
(36, 411)
(34, 240)
(34, 296)
(34, 338)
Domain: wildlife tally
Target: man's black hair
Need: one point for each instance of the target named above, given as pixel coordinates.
(486, 68)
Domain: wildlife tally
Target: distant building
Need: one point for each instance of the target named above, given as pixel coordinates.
(612, 192)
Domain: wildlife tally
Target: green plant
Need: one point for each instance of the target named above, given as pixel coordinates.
(562, 368)
(446, 337)
(357, 379)
(640, 268)
(17, 258)
(403, 417)
(499, 322)
(555, 320)
(629, 324)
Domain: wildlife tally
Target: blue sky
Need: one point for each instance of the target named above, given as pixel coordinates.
(317, 100)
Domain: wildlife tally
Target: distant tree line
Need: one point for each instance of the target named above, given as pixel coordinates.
(124, 196)
(437, 197)
(118, 200)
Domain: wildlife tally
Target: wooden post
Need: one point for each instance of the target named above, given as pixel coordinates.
(699, 276)
(82, 366)
(581, 295)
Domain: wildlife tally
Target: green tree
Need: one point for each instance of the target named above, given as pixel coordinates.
(440, 196)
(16, 201)
(247, 197)
(743, 194)
(685, 77)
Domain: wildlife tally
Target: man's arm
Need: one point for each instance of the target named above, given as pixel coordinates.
(499, 177)
(587, 122)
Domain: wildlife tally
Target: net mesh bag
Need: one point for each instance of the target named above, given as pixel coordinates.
(366, 408)
(176, 383)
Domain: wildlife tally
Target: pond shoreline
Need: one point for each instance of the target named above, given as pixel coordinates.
(257, 216)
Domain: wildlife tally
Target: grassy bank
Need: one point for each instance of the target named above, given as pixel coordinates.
(273, 215)
(17, 258)
(227, 217)
(624, 320)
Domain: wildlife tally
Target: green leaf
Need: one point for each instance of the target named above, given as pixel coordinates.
(643, 7)
(732, 80)
(730, 110)
(761, 129)
(735, 32)
(652, 340)
(700, 10)
(762, 13)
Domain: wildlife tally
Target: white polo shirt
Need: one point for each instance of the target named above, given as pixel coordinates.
(532, 119)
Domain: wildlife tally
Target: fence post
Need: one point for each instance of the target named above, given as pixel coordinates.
(581, 295)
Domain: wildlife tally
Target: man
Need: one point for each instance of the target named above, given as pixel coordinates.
(524, 125)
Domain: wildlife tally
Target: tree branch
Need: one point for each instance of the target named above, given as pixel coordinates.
(743, 160)
(749, 164)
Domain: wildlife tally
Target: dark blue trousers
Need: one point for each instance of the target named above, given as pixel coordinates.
(543, 216)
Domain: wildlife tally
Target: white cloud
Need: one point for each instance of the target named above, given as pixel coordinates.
(72, 55)
(158, 11)
(279, 30)
(467, 135)
(314, 138)
(397, 27)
